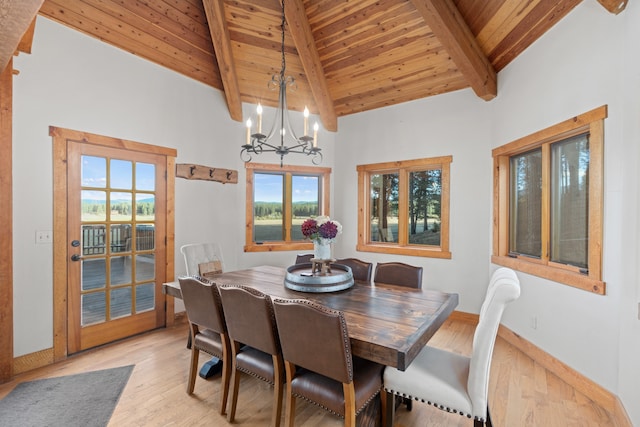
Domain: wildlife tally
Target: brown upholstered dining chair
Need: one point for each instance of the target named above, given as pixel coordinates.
(398, 273)
(401, 274)
(302, 258)
(255, 345)
(361, 270)
(208, 329)
(318, 361)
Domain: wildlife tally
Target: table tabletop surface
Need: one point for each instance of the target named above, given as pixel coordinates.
(387, 324)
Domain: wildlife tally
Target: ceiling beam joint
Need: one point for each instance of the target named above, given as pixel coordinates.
(614, 6)
(448, 25)
(16, 18)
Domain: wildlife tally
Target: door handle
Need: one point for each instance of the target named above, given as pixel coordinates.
(75, 257)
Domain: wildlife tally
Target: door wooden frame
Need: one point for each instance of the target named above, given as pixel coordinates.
(6, 224)
(60, 247)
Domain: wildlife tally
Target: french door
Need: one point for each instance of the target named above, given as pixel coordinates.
(116, 204)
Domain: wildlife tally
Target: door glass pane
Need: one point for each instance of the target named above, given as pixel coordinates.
(94, 239)
(145, 267)
(121, 174)
(120, 235)
(93, 273)
(569, 201)
(425, 193)
(525, 218)
(145, 207)
(121, 206)
(305, 202)
(145, 177)
(120, 270)
(94, 172)
(268, 198)
(383, 206)
(145, 237)
(145, 297)
(93, 308)
(93, 205)
(120, 302)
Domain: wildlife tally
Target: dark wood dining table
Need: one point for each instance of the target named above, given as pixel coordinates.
(387, 324)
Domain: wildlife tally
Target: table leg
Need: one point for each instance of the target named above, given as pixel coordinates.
(211, 368)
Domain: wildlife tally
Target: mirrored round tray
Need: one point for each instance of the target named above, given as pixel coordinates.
(301, 277)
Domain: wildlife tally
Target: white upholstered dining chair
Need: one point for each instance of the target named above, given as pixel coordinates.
(197, 255)
(453, 382)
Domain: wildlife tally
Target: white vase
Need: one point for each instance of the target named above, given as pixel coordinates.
(321, 250)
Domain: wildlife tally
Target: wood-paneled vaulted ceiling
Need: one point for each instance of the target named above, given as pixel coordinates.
(347, 56)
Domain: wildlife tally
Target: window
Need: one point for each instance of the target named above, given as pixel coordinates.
(404, 207)
(548, 202)
(279, 199)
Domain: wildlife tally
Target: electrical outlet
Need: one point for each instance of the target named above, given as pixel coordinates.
(44, 237)
(534, 322)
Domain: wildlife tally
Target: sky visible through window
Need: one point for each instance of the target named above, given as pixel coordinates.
(269, 187)
(94, 174)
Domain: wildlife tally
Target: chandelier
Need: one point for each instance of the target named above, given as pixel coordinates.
(258, 143)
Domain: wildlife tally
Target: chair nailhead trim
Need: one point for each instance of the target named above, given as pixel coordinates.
(442, 407)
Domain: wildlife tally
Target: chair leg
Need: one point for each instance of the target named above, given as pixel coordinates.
(226, 379)
(487, 423)
(349, 404)
(276, 412)
(408, 402)
(383, 408)
(290, 411)
(235, 386)
(193, 369)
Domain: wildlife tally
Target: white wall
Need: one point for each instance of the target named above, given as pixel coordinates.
(629, 372)
(588, 60)
(77, 82)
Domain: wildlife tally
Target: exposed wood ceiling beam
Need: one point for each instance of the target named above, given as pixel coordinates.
(27, 39)
(310, 58)
(454, 34)
(15, 18)
(216, 18)
(614, 6)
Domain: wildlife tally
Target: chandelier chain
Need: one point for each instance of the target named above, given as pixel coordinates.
(258, 142)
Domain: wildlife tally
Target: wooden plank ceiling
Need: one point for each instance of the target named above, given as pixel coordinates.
(347, 56)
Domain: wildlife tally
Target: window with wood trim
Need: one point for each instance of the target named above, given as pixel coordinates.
(403, 207)
(548, 202)
(278, 200)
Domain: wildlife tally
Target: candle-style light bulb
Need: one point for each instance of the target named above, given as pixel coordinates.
(259, 111)
(315, 134)
(248, 131)
(306, 120)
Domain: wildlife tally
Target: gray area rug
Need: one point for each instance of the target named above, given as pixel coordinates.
(80, 400)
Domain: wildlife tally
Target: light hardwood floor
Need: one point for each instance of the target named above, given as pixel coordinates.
(521, 392)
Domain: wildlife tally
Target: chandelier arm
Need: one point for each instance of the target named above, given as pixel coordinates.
(261, 144)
